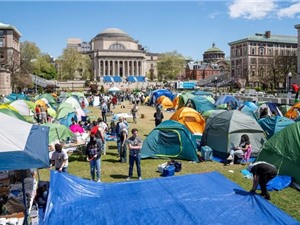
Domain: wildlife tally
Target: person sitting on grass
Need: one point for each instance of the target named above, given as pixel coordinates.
(240, 150)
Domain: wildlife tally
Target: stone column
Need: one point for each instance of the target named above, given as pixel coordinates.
(109, 68)
(113, 68)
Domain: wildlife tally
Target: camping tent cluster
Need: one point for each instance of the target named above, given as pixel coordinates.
(221, 124)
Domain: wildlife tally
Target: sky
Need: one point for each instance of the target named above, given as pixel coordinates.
(188, 27)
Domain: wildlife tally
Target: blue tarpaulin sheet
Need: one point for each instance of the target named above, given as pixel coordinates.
(208, 198)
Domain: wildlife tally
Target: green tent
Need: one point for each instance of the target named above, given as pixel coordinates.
(282, 150)
(224, 131)
(170, 139)
(12, 113)
(183, 98)
(58, 132)
(63, 110)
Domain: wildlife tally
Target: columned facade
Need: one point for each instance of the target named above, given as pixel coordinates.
(115, 53)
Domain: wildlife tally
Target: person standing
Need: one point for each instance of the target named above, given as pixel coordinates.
(134, 112)
(123, 147)
(159, 116)
(104, 109)
(262, 172)
(59, 159)
(93, 155)
(134, 146)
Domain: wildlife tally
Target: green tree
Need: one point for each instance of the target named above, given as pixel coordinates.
(170, 65)
(43, 67)
(73, 64)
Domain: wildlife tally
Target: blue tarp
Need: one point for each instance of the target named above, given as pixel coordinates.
(208, 198)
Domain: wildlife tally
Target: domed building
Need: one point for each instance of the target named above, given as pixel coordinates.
(213, 54)
(116, 54)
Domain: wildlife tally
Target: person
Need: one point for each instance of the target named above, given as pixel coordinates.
(262, 172)
(134, 112)
(93, 155)
(104, 109)
(240, 150)
(264, 112)
(59, 159)
(38, 112)
(123, 147)
(119, 127)
(103, 128)
(134, 146)
(159, 116)
(189, 104)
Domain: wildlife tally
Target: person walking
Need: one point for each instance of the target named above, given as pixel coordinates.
(93, 155)
(134, 146)
(262, 172)
(104, 110)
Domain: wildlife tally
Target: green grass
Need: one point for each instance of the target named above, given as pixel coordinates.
(112, 171)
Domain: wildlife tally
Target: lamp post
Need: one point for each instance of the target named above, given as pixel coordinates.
(289, 87)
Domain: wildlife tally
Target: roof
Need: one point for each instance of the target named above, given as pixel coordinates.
(9, 27)
(272, 39)
(213, 49)
(114, 33)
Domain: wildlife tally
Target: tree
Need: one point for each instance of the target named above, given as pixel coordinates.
(43, 67)
(170, 65)
(72, 64)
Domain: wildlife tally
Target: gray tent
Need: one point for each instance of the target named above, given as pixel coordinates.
(224, 131)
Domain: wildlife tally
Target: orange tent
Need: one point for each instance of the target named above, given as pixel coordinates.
(165, 102)
(41, 103)
(190, 118)
(175, 102)
(292, 113)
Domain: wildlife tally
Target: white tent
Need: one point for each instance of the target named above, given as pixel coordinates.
(114, 89)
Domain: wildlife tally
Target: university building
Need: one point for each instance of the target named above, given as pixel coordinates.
(9, 54)
(250, 56)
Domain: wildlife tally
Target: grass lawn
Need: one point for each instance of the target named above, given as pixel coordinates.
(113, 171)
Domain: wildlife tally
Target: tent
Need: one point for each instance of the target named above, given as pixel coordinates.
(271, 107)
(205, 198)
(73, 101)
(282, 150)
(224, 131)
(170, 139)
(16, 96)
(157, 93)
(207, 115)
(284, 108)
(12, 113)
(58, 132)
(114, 89)
(22, 107)
(272, 125)
(227, 99)
(202, 93)
(175, 102)
(292, 113)
(48, 99)
(22, 145)
(183, 98)
(201, 104)
(190, 118)
(165, 102)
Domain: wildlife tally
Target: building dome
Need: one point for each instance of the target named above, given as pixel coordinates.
(114, 33)
(213, 49)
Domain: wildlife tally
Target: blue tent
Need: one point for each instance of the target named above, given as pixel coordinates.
(273, 124)
(202, 93)
(15, 96)
(157, 93)
(208, 198)
(224, 99)
(22, 145)
(202, 104)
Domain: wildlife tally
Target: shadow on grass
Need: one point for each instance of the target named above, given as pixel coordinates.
(118, 176)
(112, 147)
(74, 157)
(111, 160)
(241, 192)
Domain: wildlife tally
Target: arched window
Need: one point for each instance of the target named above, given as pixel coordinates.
(116, 46)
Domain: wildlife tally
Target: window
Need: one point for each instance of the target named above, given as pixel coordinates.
(1, 33)
(1, 42)
(252, 51)
(116, 46)
(261, 50)
(1, 55)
